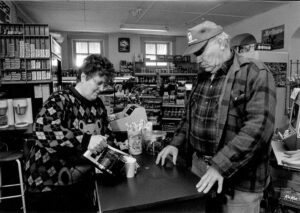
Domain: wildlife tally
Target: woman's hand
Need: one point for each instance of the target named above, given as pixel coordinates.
(97, 143)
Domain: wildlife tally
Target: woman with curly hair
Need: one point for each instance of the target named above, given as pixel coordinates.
(70, 122)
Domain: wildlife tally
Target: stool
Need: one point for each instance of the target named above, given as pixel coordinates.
(6, 157)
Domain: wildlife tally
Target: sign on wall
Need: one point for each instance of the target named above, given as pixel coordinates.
(124, 45)
(4, 12)
(274, 36)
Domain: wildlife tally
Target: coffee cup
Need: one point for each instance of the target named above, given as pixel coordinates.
(130, 166)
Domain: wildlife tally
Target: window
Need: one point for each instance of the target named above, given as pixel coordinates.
(85, 48)
(152, 49)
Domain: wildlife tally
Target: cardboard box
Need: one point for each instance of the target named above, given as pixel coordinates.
(22, 49)
(33, 74)
(44, 75)
(37, 48)
(38, 75)
(32, 64)
(36, 30)
(32, 48)
(32, 32)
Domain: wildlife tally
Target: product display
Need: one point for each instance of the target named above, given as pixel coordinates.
(126, 68)
(24, 52)
(166, 99)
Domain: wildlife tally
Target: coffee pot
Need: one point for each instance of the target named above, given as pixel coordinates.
(22, 112)
(3, 113)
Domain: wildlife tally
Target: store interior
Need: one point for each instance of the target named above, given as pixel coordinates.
(43, 44)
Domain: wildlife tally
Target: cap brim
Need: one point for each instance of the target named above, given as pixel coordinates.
(194, 48)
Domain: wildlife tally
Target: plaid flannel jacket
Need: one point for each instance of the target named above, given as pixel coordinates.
(245, 124)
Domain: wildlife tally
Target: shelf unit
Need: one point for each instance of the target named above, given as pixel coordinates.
(174, 105)
(125, 68)
(171, 119)
(183, 71)
(25, 53)
(25, 62)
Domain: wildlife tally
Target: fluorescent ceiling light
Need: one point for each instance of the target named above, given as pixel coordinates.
(138, 27)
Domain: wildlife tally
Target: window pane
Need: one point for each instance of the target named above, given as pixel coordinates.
(150, 49)
(151, 57)
(81, 47)
(94, 47)
(162, 64)
(150, 63)
(162, 49)
(79, 59)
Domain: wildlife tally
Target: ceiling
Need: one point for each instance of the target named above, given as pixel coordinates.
(107, 16)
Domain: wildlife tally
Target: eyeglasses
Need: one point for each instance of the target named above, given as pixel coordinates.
(200, 52)
(100, 83)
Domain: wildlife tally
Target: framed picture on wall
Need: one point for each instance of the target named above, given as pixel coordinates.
(274, 36)
(124, 45)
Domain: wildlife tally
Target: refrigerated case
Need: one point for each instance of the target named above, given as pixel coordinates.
(277, 62)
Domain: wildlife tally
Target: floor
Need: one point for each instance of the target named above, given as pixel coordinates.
(10, 176)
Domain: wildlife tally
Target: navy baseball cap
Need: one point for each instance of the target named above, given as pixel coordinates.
(199, 35)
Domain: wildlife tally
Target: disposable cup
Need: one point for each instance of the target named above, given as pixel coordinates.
(130, 167)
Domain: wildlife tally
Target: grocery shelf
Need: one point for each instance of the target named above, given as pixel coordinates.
(70, 78)
(152, 110)
(173, 105)
(36, 36)
(171, 119)
(165, 74)
(145, 74)
(170, 131)
(14, 35)
(39, 82)
(42, 69)
(37, 58)
(178, 74)
(150, 96)
(5, 82)
(12, 82)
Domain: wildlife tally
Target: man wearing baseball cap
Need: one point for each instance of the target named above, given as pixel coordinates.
(228, 123)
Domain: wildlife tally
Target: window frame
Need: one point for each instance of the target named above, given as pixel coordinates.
(74, 53)
(169, 51)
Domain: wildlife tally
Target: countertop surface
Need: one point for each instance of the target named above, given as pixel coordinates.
(152, 185)
(23, 130)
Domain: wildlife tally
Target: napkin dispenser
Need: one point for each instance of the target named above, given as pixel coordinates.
(131, 113)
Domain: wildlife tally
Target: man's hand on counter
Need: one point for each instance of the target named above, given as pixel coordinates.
(207, 181)
(168, 150)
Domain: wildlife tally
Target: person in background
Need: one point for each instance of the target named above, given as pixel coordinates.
(228, 123)
(171, 86)
(70, 122)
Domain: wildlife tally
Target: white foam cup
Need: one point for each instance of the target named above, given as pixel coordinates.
(130, 166)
